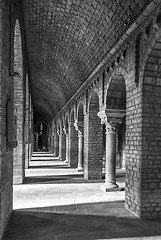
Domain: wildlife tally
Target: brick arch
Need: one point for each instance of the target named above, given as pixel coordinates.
(116, 99)
(72, 115)
(151, 128)
(39, 122)
(58, 124)
(92, 93)
(73, 112)
(80, 108)
(115, 96)
(18, 52)
(150, 61)
(66, 121)
(67, 116)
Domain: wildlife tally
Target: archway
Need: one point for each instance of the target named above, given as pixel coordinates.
(113, 118)
(80, 130)
(73, 142)
(116, 99)
(42, 137)
(144, 181)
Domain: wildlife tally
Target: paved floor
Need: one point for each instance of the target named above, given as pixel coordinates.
(56, 203)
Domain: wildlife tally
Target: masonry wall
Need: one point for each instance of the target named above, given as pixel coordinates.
(6, 93)
(8, 140)
(151, 134)
(93, 154)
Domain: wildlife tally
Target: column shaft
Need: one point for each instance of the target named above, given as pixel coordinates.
(80, 153)
(110, 179)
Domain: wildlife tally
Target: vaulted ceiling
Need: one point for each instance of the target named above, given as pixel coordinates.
(66, 40)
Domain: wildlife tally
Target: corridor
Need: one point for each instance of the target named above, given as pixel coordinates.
(57, 203)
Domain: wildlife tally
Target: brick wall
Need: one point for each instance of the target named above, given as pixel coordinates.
(133, 136)
(151, 135)
(93, 154)
(6, 93)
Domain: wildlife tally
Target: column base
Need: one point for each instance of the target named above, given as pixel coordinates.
(79, 169)
(111, 187)
(66, 161)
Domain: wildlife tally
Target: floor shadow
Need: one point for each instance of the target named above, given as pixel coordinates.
(68, 178)
(44, 160)
(50, 166)
(54, 179)
(81, 221)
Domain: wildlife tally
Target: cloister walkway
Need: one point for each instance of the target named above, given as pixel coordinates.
(57, 203)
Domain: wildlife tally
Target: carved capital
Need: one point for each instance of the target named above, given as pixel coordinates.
(65, 129)
(54, 132)
(111, 118)
(58, 131)
(78, 126)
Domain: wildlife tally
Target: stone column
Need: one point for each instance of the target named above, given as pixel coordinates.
(65, 129)
(60, 145)
(56, 143)
(111, 118)
(73, 145)
(36, 142)
(79, 128)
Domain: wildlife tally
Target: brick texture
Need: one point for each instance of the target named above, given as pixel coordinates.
(67, 39)
(151, 135)
(93, 153)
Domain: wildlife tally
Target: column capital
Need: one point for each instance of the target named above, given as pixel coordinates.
(54, 132)
(111, 118)
(78, 126)
(65, 129)
(58, 131)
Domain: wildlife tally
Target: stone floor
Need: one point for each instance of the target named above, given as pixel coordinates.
(56, 203)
